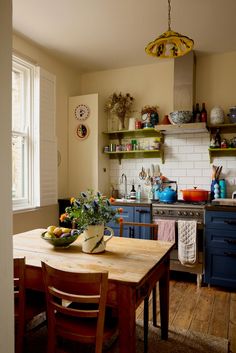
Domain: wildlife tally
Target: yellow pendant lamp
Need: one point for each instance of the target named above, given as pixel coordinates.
(170, 44)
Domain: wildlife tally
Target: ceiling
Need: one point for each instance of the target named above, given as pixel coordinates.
(107, 34)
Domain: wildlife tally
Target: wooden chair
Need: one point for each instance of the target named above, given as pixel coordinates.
(153, 236)
(76, 307)
(19, 297)
(28, 305)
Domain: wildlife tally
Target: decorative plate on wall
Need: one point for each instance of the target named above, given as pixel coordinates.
(82, 131)
(82, 112)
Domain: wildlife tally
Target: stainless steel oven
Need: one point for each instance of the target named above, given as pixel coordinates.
(183, 211)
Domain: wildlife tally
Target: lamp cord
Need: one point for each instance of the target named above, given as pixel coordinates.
(169, 20)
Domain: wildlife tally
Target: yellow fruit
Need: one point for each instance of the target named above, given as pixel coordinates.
(65, 230)
(50, 229)
(57, 231)
(48, 235)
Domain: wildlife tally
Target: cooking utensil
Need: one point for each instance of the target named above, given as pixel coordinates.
(148, 178)
(218, 172)
(195, 195)
(142, 174)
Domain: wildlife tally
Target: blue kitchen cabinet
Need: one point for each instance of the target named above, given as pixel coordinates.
(140, 214)
(127, 215)
(220, 248)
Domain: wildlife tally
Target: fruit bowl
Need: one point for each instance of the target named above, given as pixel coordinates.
(62, 241)
(180, 117)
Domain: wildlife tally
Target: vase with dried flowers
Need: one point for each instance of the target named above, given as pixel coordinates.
(120, 105)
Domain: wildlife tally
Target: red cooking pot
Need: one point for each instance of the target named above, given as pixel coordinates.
(195, 195)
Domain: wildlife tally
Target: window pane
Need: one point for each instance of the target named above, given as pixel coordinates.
(18, 168)
(18, 115)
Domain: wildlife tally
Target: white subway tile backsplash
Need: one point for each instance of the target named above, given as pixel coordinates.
(194, 172)
(186, 149)
(201, 165)
(194, 157)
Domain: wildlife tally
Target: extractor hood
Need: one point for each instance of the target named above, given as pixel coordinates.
(184, 82)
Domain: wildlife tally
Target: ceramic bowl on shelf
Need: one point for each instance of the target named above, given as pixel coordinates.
(63, 241)
(180, 117)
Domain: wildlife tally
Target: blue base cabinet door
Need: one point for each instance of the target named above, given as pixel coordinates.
(142, 215)
(220, 248)
(127, 215)
(133, 214)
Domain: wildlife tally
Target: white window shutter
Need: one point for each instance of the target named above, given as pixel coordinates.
(48, 141)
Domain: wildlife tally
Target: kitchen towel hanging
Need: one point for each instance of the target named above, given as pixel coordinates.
(166, 229)
(187, 242)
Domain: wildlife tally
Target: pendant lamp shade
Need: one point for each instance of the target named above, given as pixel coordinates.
(170, 44)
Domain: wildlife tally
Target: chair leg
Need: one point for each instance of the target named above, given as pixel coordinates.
(154, 306)
(145, 324)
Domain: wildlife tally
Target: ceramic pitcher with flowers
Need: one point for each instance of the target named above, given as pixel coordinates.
(93, 238)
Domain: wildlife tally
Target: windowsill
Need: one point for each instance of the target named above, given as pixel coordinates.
(24, 210)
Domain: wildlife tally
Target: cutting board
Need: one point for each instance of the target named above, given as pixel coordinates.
(224, 202)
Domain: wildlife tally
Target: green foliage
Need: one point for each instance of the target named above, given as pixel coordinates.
(89, 209)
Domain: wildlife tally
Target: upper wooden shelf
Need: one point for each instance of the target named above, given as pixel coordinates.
(148, 132)
(181, 128)
(224, 128)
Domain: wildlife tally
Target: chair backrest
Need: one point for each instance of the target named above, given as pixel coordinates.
(153, 228)
(76, 295)
(19, 298)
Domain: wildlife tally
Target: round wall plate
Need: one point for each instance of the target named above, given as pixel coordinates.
(82, 112)
(82, 131)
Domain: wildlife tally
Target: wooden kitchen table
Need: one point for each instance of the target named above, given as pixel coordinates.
(134, 267)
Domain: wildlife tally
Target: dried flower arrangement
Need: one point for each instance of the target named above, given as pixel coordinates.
(120, 105)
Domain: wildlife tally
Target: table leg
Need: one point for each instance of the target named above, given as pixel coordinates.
(164, 301)
(127, 323)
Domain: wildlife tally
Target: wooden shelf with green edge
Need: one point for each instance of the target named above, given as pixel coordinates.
(142, 133)
(219, 152)
(136, 154)
(224, 128)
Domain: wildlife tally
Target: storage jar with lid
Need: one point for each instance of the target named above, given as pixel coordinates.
(216, 116)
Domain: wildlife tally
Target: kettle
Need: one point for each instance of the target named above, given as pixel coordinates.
(168, 194)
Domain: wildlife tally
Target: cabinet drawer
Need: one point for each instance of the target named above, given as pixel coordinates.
(222, 239)
(220, 220)
(220, 267)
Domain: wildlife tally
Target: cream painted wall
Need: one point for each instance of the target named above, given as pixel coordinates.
(83, 153)
(68, 84)
(216, 80)
(6, 273)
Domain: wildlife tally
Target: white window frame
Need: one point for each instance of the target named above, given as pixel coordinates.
(41, 179)
(30, 111)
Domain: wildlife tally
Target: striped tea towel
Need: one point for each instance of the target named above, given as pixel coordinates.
(187, 242)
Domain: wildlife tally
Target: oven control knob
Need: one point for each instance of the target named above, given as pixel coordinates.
(197, 214)
(162, 212)
(191, 213)
(179, 213)
(185, 213)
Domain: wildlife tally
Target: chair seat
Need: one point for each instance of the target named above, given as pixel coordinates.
(85, 328)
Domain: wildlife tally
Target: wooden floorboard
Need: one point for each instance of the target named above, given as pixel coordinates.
(206, 309)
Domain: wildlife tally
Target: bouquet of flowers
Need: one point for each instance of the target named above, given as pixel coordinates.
(90, 209)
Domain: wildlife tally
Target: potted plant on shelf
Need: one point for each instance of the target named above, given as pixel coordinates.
(89, 213)
(120, 105)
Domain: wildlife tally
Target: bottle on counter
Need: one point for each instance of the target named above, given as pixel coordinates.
(203, 113)
(197, 114)
(138, 193)
(133, 192)
(217, 140)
